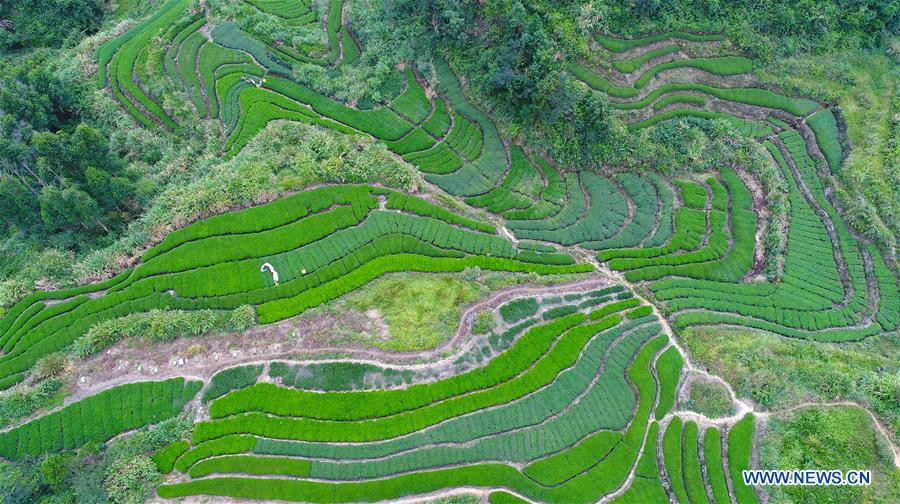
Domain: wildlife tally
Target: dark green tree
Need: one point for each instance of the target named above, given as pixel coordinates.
(35, 23)
(57, 172)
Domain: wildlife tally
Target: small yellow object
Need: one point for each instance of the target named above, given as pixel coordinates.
(303, 272)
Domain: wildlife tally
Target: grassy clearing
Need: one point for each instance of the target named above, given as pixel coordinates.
(710, 398)
(834, 438)
(420, 311)
(779, 373)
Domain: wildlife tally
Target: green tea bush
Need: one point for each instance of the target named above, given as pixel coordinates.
(438, 124)
(223, 446)
(679, 99)
(740, 446)
(712, 456)
(824, 127)
(693, 475)
(724, 65)
(672, 456)
(245, 464)
(231, 379)
(187, 64)
(644, 198)
(165, 458)
(599, 83)
(668, 368)
(747, 95)
(326, 376)
(412, 104)
(99, 417)
(559, 311)
(628, 66)
(596, 478)
(517, 310)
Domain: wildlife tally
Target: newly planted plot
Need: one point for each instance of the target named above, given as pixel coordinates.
(725, 65)
(622, 45)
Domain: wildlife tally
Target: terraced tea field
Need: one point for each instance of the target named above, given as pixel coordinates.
(564, 409)
(571, 396)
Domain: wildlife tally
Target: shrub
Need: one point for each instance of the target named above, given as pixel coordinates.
(50, 365)
(131, 479)
(155, 325)
(55, 469)
(242, 318)
(747, 95)
(484, 323)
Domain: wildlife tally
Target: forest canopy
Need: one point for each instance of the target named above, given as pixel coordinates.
(36, 23)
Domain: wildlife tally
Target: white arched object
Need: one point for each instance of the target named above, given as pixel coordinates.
(269, 267)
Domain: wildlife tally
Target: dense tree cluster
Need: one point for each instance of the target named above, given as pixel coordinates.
(764, 29)
(513, 60)
(36, 23)
(57, 172)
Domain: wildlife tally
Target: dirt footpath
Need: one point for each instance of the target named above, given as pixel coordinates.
(303, 337)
